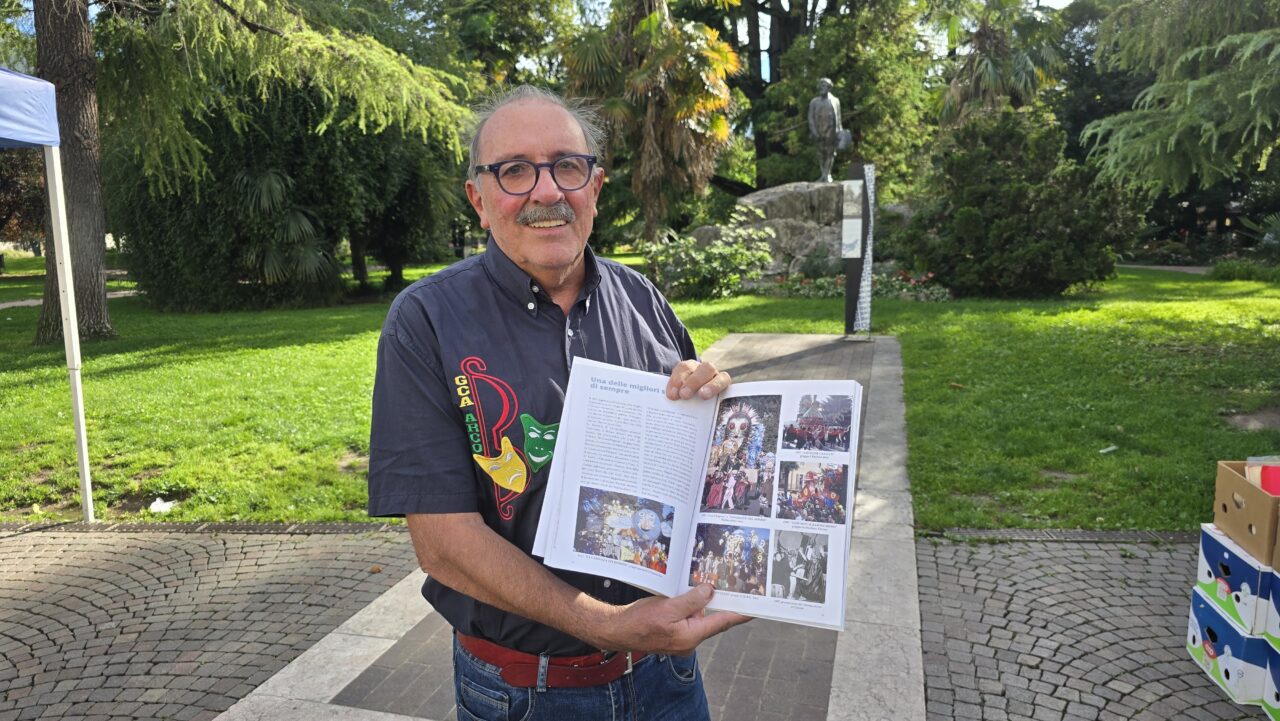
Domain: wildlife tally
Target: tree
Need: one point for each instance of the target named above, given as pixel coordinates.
(22, 196)
(167, 67)
(766, 31)
(998, 51)
(1215, 103)
(501, 33)
(262, 227)
(65, 57)
(1008, 216)
(17, 43)
(665, 100)
(872, 56)
(1086, 92)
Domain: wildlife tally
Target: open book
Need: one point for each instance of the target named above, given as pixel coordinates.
(751, 491)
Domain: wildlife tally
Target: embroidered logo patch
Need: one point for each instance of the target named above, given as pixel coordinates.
(477, 393)
(506, 469)
(539, 441)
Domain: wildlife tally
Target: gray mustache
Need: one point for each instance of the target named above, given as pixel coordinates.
(538, 213)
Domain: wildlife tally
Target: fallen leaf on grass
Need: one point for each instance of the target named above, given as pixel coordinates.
(957, 386)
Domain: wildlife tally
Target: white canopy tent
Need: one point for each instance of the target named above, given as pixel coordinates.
(28, 119)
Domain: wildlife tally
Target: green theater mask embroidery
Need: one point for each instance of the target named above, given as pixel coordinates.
(539, 441)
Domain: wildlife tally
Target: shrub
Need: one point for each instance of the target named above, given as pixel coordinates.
(261, 227)
(1245, 269)
(798, 285)
(685, 268)
(1266, 235)
(907, 286)
(1008, 216)
(899, 284)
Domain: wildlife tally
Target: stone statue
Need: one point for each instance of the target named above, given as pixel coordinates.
(824, 127)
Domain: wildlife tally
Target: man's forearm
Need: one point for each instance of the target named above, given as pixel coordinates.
(460, 551)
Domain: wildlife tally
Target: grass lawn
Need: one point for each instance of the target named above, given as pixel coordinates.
(21, 263)
(265, 416)
(1010, 404)
(23, 278)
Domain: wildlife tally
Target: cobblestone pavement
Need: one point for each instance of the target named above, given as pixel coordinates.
(1062, 631)
(137, 625)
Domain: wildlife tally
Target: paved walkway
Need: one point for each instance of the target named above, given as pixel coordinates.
(1064, 631)
(137, 624)
(35, 302)
(375, 671)
(1192, 269)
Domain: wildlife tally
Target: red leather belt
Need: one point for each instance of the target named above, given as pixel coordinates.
(521, 669)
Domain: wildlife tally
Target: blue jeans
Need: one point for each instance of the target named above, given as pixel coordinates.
(665, 688)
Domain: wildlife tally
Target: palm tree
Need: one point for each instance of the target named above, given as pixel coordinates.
(997, 51)
(662, 87)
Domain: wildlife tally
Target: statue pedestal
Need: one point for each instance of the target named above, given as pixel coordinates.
(806, 221)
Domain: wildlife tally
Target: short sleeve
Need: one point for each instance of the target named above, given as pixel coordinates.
(419, 458)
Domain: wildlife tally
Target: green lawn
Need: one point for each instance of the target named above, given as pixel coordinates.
(412, 273)
(31, 287)
(1009, 404)
(265, 415)
(21, 263)
(23, 278)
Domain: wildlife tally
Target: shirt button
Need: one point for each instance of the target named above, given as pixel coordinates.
(535, 289)
(530, 306)
(570, 332)
(607, 583)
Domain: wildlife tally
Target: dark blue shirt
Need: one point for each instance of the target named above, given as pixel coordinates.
(472, 366)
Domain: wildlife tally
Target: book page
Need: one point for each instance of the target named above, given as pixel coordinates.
(775, 503)
(624, 469)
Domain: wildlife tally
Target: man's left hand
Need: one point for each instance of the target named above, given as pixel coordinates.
(690, 378)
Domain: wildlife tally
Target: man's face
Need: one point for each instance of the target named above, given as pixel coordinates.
(540, 132)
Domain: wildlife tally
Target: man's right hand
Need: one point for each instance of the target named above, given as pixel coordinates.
(667, 625)
(460, 551)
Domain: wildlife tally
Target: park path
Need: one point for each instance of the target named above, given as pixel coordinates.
(1192, 269)
(36, 302)
(396, 667)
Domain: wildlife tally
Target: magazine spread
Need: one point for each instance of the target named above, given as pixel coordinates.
(751, 491)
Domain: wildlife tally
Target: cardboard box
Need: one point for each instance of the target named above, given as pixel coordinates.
(1271, 687)
(1245, 512)
(1230, 578)
(1271, 631)
(1236, 661)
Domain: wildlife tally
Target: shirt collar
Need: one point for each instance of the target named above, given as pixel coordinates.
(518, 285)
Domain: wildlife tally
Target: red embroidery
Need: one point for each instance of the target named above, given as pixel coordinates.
(472, 367)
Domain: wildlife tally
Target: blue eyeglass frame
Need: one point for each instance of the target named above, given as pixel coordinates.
(493, 168)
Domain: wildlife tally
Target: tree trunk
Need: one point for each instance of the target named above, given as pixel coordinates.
(359, 268)
(64, 57)
(777, 34)
(754, 87)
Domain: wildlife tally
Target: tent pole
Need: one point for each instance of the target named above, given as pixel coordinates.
(70, 327)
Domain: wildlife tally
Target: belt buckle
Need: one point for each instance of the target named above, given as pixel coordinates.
(624, 673)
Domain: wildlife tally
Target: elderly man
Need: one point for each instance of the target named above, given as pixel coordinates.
(463, 355)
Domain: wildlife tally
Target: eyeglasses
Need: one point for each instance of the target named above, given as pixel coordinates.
(520, 177)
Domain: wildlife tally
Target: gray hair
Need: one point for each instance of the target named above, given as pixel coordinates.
(581, 109)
